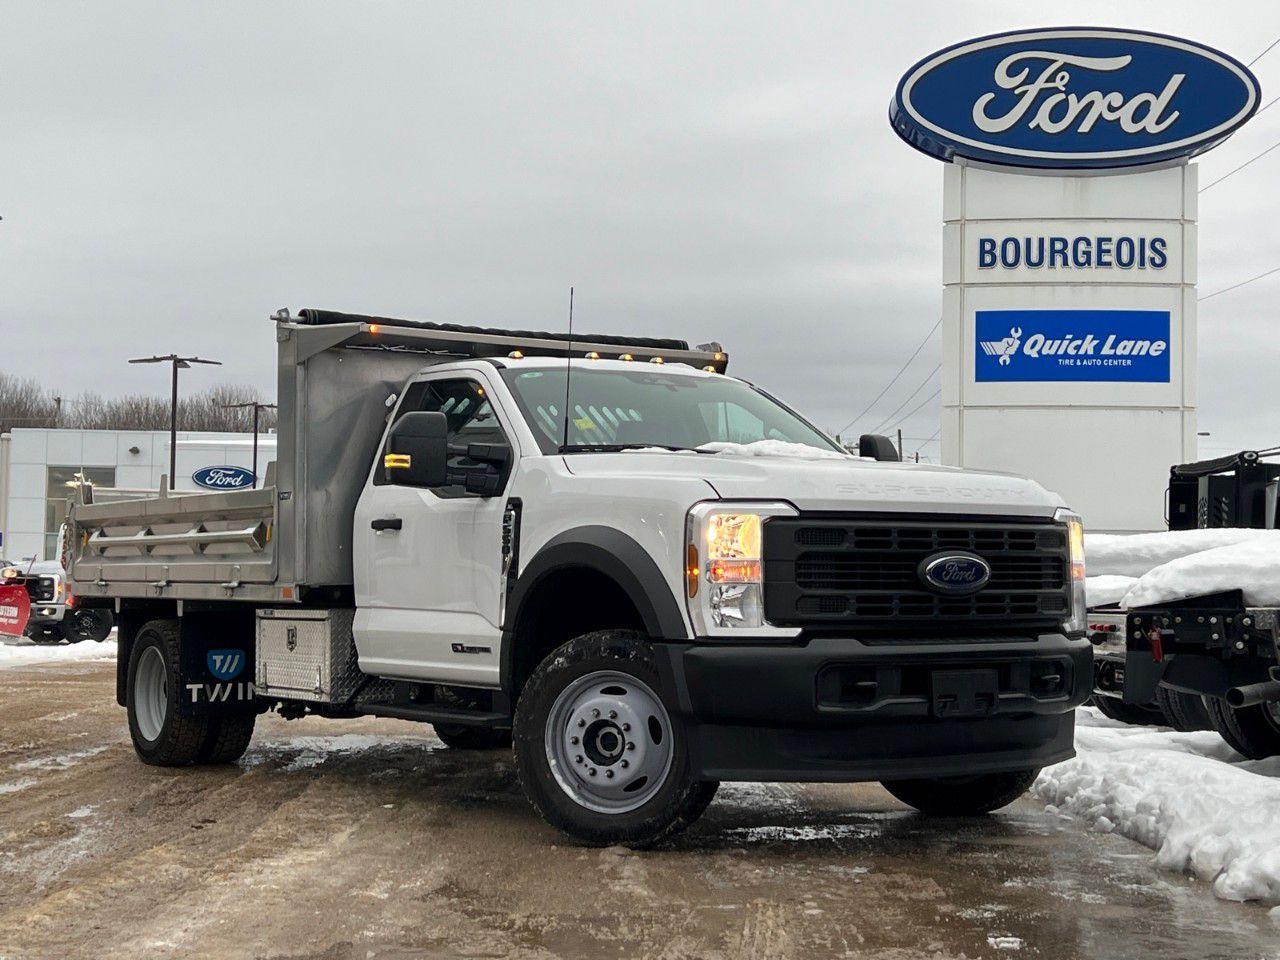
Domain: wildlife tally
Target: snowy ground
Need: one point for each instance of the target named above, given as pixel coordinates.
(20, 652)
(1201, 807)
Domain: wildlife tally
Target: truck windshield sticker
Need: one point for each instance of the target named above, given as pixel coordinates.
(1027, 346)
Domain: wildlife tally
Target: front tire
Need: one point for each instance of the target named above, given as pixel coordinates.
(46, 634)
(963, 796)
(161, 736)
(597, 751)
(1253, 732)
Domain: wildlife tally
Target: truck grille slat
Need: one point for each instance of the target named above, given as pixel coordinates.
(857, 571)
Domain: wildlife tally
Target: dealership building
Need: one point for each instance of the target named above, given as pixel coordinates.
(39, 466)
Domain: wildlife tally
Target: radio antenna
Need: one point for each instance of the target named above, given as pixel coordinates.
(568, 372)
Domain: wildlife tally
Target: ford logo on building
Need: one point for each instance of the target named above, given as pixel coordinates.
(1073, 97)
(223, 478)
(955, 573)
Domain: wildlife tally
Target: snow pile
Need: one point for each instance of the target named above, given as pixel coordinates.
(1107, 589)
(1251, 565)
(775, 448)
(1187, 796)
(23, 653)
(1134, 554)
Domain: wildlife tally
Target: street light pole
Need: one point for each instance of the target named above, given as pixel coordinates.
(257, 409)
(178, 362)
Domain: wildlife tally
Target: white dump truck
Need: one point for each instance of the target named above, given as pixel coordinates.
(654, 576)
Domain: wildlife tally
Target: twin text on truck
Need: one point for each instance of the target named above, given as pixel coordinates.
(652, 576)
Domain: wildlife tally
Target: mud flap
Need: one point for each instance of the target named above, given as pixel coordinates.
(217, 664)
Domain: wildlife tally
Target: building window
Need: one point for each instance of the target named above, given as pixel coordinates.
(60, 488)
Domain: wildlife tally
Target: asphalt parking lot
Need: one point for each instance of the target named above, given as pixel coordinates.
(369, 839)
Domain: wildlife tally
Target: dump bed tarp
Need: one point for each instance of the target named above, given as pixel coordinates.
(315, 317)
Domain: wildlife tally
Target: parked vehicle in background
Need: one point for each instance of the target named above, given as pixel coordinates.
(652, 576)
(1216, 648)
(55, 615)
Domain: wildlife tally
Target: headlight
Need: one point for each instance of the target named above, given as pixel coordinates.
(724, 568)
(1075, 622)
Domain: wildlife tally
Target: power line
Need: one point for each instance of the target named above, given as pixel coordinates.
(1263, 53)
(910, 397)
(930, 440)
(1263, 108)
(900, 372)
(1237, 286)
(1242, 166)
(936, 394)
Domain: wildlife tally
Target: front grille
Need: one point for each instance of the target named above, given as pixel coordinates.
(851, 571)
(41, 589)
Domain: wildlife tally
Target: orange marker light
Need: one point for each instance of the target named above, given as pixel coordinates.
(375, 328)
(692, 572)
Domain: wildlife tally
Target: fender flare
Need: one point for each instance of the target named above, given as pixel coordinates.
(613, 554)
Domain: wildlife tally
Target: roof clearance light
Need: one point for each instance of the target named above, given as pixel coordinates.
(709, 369)
(592, 355)
(656, 360)
(719, 356)
(626, 356)
(516, 355)
(375, 328)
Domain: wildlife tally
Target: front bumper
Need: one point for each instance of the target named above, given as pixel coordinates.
(838, 709)
(47, 613)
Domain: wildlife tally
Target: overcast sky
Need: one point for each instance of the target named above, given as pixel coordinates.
(172, 172)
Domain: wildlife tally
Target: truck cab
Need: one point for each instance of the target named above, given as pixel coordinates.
(648, 575)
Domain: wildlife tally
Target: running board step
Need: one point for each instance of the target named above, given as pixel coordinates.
(434, 713)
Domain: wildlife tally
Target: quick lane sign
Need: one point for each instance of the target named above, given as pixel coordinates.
(1073, 98)
(1035, 346)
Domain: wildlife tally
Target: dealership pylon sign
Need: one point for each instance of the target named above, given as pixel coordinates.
(1073, 98)
(1069, 251)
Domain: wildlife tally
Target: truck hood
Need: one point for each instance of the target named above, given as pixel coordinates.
(835, 484)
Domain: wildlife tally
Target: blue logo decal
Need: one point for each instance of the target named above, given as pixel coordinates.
(1035, 346)
(956, 573)
(225, 664)
(223, 478)
(1071, 98)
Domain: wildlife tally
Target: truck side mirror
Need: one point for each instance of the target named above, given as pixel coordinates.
(417, 450)
(877, 447)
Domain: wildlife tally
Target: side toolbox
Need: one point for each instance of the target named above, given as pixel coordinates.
(307, 655)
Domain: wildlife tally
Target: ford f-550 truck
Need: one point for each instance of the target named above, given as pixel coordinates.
(607, 549)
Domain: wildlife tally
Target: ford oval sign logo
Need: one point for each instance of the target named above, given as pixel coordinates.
(223, 478)
(1073, 97)
(954, 572)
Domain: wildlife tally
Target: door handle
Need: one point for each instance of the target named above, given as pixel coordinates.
(387, 523)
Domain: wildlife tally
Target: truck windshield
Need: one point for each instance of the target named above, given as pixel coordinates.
(619, 409)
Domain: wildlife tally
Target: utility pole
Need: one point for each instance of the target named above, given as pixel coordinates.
(257, 409)
(178, 363)
(57, 411)
(899, 443)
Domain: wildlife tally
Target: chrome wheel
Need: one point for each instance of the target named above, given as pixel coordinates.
(609, 742)
(150, 693)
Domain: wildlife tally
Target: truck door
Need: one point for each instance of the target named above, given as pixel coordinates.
(427, 560)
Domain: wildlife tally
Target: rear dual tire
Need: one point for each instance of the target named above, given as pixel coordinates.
(162, 736)
(1252, 732)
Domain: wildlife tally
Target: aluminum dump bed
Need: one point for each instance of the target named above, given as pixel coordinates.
(291, 540)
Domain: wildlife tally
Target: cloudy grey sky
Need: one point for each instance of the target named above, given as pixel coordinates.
(171, 173)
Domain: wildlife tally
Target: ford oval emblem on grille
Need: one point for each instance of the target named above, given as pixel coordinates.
(956, 573)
